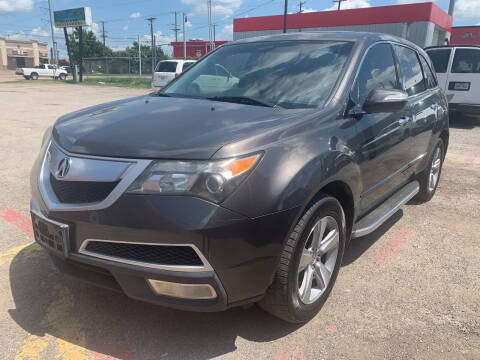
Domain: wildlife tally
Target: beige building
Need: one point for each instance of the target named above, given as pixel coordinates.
(19, 53)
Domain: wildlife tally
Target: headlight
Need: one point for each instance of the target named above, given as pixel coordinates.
(211, 180)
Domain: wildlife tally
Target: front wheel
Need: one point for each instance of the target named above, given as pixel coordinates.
(26, 77)
(62, 76)
(34, 76)
(309, 263)
(430, 177)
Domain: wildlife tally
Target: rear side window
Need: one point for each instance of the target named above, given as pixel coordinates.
(427, 72)
(187, 65)
(377, 72)
(466, 61)
(411, 70)
(440, 59)
(167, 66)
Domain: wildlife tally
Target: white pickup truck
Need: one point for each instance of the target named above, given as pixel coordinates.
(42, 70)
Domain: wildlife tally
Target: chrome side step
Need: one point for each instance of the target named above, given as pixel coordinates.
(377, 217)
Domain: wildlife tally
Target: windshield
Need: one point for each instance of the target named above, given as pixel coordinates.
(290, 74)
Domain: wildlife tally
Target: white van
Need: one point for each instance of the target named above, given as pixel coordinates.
(458, 72)
(167, 70)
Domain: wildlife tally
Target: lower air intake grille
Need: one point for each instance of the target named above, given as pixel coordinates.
(77, 192)
(153, 254)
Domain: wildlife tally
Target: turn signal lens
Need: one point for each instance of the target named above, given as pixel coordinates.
(241, 165)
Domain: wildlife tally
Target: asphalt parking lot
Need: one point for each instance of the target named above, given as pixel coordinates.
(410, 290)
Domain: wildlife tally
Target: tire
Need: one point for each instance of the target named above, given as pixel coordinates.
(62, 77)
(27, 77)
(427, 189)
(285, 298)
(34, 76)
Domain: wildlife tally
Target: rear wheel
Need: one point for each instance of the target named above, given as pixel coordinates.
(430, 177)
(26, 77)
(62, 76)
(309, 263)
(34, 76)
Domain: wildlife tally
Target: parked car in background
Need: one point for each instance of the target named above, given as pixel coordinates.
(42, 70)
(205, 197)
(167, 70)
(458, 72)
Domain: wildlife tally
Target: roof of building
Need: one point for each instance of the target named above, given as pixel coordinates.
(427, 11)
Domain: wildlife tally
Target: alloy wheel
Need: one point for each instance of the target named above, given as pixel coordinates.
(318, 259)
(435, 170)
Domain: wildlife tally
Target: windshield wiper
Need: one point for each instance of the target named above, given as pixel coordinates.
(242, 100)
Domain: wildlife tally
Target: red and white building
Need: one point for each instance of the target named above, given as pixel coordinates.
(195, 48)
(465, 35)
(423, 23)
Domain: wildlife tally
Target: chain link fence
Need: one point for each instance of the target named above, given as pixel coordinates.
(117, 66)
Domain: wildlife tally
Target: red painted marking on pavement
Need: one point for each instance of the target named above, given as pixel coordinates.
(390, 250)
(289, 353)
(124, 352)
(21, 222)
(474, 154)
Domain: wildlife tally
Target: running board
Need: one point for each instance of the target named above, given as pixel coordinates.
(377, 217)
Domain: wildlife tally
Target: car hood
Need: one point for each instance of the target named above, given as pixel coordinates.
(163, 127)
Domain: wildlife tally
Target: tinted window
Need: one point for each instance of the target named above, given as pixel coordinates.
(466, 61)
(290, 74)
(411, 70)
(51, 67)
(167, 66)
(427, 72)
(187, 65)
(377, 72)
(440, 59)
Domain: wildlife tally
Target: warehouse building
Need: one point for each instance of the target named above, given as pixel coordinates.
(195, 48)
(423, 23)
(18, 53)
(465, 35)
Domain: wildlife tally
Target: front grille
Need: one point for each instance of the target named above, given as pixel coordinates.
(154, 254)
(77, 192)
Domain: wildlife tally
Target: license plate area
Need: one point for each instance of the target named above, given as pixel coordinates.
(50, 234)
(459, 86)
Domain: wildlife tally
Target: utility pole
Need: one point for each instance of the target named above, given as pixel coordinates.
(339, 3)
(451, 10)
(80, 50)
(54, 44)
(153, 45)
(214, 32)
(210, 25)
(176, 29)
(285, 13)
(300, 6)
(139, 56)
(103, 32)
(184, 36)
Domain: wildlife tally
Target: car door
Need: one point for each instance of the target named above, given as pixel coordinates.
(440, 59)
(384, 145)
(51, 70)
(463, 84)
(422, 102)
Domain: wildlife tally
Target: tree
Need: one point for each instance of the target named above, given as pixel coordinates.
(132, 52)
(91, 46)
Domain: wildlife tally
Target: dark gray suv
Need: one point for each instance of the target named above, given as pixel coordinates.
(244, 179)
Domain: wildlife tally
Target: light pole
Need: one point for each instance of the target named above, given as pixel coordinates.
(285, 13)
(54, 44)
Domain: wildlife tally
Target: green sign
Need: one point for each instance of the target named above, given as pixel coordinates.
(73, 17)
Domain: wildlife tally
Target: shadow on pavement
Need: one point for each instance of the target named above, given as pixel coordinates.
(108, 323)
(358, 246)
(463, 121)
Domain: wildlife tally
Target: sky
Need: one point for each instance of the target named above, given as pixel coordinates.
(125, 20)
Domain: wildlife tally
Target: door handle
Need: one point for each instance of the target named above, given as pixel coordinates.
(403, 121)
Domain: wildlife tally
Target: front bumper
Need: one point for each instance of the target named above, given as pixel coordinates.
(242, 253)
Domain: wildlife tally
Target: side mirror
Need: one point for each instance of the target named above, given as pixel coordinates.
(385, 101)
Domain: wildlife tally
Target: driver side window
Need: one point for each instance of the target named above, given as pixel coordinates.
(377, 71)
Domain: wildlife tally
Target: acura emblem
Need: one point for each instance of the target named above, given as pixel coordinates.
(63, 167)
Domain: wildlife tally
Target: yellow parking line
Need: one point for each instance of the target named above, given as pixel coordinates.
(6, 256)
